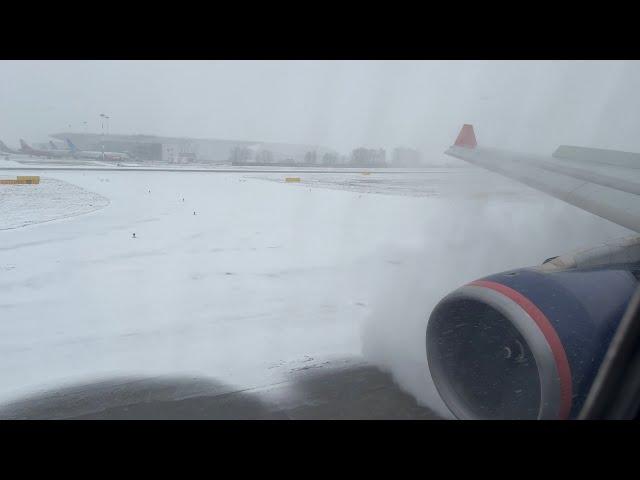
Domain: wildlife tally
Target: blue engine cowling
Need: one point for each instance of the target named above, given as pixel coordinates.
(526, 343)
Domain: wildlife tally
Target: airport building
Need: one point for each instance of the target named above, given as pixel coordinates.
(151, 148)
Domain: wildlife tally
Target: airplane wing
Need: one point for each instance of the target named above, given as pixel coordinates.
(603, 182)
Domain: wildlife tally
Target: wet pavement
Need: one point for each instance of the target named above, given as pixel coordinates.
(352, 390)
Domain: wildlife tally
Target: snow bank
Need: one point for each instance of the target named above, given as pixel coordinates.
(51, 199)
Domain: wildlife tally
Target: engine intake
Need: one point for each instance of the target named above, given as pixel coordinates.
(527, 343)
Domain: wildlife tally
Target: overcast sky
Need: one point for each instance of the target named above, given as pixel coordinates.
(523, 105)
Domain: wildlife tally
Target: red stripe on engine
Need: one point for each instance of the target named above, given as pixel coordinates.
(559, 355)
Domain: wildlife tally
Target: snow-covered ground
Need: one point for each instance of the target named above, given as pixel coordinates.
(51, 199)
(265, 278)
(436, 182)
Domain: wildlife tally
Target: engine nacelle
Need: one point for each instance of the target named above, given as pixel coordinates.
(527, 343)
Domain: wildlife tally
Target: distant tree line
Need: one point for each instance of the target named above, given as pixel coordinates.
(360, 157)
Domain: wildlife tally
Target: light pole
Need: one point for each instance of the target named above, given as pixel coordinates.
(103, 117)
(85, 126)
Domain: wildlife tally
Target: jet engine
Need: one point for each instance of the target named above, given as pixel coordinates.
(527, 343)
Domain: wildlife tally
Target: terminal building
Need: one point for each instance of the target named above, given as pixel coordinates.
(151, 148)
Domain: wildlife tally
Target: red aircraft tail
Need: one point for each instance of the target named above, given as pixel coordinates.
(466, 137)
(24, 146)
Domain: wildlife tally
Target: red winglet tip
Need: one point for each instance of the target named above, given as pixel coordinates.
(466, 137)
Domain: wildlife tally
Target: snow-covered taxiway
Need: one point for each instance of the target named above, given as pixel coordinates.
(242, 278)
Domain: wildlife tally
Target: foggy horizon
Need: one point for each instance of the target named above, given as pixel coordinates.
(342, 105)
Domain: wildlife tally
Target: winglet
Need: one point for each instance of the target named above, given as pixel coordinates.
(466, 137)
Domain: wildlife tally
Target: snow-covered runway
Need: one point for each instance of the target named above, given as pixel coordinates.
(265, 278)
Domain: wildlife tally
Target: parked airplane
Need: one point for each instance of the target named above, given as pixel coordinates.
(6, 150)
(97, 155)
(528, 343)
(26, 149)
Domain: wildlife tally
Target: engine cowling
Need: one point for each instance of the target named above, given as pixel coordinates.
(526, 343)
